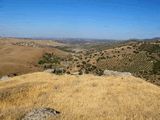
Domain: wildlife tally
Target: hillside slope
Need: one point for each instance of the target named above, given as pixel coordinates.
(18, 59)
(85, 97)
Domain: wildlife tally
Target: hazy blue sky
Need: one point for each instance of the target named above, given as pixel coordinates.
(115, 19)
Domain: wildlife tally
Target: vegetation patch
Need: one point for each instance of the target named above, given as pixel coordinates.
(156, 67)
(49, 58)
(151, 48)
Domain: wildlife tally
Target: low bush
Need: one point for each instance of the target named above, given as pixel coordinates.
(156, 67)
(49, 58)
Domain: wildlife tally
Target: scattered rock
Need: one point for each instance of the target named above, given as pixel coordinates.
(115, 73)
(41, 114)
(49, 71)
(75, 73)
(56, 70)
(12, 74)
(4, 78)
(59, 70)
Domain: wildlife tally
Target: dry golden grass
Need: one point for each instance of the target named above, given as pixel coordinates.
(84, 97)
(40, 42)
(22, 59)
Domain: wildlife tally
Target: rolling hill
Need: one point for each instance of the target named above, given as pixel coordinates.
(19, 56)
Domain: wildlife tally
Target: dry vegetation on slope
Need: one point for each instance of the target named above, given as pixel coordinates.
(141, 58)
(85, 97)
(18, 59)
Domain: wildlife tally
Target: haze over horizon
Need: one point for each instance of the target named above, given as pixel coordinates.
(101, 19)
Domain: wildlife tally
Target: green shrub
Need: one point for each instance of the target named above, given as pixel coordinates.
(156, 67)
(41, 62)
(80, 72)
(99, 72)
(49, 58)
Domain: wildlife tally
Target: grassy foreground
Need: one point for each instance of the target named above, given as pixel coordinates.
(85, 97)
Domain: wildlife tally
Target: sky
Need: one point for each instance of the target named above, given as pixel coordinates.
(101, 19)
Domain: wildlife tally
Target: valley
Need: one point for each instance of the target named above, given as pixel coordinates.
(140, 58)
(69, 80)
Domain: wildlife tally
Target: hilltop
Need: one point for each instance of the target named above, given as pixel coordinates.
(80, 97)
